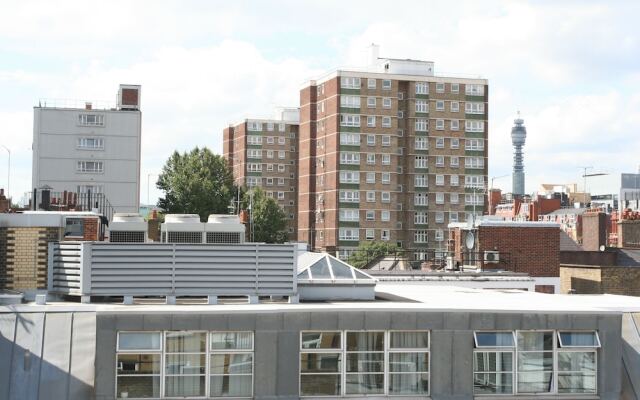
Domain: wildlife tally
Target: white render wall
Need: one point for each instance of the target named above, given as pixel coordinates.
(55, 153)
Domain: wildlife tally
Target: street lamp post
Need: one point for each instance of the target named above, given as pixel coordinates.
(8, 171)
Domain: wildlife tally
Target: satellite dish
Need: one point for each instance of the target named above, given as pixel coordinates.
(470, 240)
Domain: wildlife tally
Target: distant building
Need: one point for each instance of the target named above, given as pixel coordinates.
(568, 193)
(264, 153)
(93, 149)
(569, 219)
(518, 138)
(617, 191)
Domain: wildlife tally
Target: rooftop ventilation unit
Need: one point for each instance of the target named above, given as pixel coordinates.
(129, 97)
(224, 229)
(182, 228)
(491, 257)
(127, 228)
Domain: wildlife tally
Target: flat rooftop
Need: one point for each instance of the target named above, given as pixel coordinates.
(389, 297)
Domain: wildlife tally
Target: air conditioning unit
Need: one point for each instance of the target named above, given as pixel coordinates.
(491, 257)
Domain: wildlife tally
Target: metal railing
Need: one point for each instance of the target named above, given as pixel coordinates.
(71, 201)
(76, 103)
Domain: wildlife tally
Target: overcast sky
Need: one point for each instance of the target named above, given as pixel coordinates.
(571, 68)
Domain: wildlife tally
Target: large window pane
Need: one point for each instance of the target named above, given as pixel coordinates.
(484, 383)
(318, 362)
(185, 364)
(139, 341)
(138, 387)
(534, 382)
(528, 341)
(408, 384)
(231, 386)
(578, 339)
(231, 363)
(493, 362)
(535, 361)
(494, 339)
(321, 340)
(365, 362)
(365, 341)
(578, 361)
(576, 383)
(231, 340)
(320, 385)
(408, 362)
(186, 342)
(409, 340)
(135, 364)
(184, 386)
(364, 384)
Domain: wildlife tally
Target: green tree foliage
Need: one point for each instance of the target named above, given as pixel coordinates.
(269, 220)
(197, 182)
(369, 251)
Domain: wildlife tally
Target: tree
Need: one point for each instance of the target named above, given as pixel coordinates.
(198, 182)
(369, 251)
(269, 220)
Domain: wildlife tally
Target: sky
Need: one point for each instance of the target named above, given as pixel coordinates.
(572, 68)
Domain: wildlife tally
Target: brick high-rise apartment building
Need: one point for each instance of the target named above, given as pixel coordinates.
(264, 153)
(390, 153)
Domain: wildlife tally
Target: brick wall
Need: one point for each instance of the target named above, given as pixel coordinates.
(91, 229)
(589, 257)
(26, 257)
(533, 250)
(629, 234)
(587, 279)
(594, 231)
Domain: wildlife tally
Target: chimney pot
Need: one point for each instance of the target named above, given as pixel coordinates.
(88, 106)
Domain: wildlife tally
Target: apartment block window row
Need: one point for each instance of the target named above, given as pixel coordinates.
(254, 140)
(349, 196)
(254, 153)
(473, 126)
(347, 82)
(349, 120)
(474, 162)
(422, 143)
(535, 362)
(343, 363)
(473, 108)
(254, 126)
(350, 101)
(349, 215)
(420, 199)
(421, 180)
(474, 181)
(184, 364)
(349, 234)
(88, 143)
(474, 144)
(421, 161)
(91, 119)
(350, 139)
(349, 158)
(90, 166)
(421, 236)
(473, 199)
(474, 90)
(421, 125)
(422, 88)
(253, 181)
(420, 218)
(349, 177)
(422, 106)
(254, 167)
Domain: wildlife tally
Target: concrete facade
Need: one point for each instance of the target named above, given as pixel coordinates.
(77, 150)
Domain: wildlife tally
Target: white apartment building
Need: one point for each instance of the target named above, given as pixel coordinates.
(92, 148)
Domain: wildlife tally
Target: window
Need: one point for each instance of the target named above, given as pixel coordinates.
(422, 106)
(371, 140)
(350, 101)
(347, 82)
(454, 197)
(73, 227)
(253, 181)
(371, 177)
(474, 181)
(371, 196)
(420, 199)
(422, 143)
(400, 132)
(439, 180)
(371, 121)
(401, 114)
(369, 234)
(386, 122)
(455, 124)
(269, 153)
(473, 108)
(371, 158)
(455, 143)
(349, 120)
(254, 153)
(386, 178)
(349, 234)
(349, 177)
(231, 364)
(254, 167)
(386, 84)
(371, 83)
(455, 88)
(471, 199)
(91, 119)
(421, 162)
(454, 161)
(493, 363)
(420, 218)
(439, 217)
(386, 140)
(282, 141)
(349, 196)
(454, 106)
(269, 182)
(281, 127)
(385, 215)
(254, 140)
(474, 126)
(422, 88)
(281, 167)
(474, 90)
(439, 105)
(370, 215)
(422, 125)
(439, 87)
(421, 180)
(384, 234)
(440, 143)
(439, 161)
(386, 159)
(350, 139)
(270, 126)
(386, 102)
(87, 143)
(454, 180)
(270, 140)
(371, 102)
(440, 124)
(254, 126)
(453, 216)
(474, 162)
(439, 199)
(385, 197)
(138, 361)
(420, 236)
(439, 235)
(185, 364)
(90, 166)
(349, 158)
(474, 144)
(349, 215)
